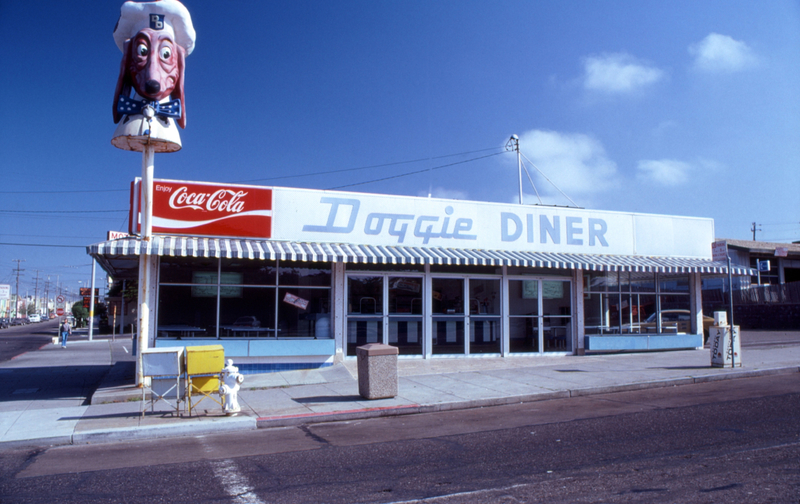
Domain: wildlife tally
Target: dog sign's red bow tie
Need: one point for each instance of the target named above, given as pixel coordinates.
(130, 106)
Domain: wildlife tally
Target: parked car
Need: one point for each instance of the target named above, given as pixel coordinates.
(4, 322)
(247, 321)
(19, 321)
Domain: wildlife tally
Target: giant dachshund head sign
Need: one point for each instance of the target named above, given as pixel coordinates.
(155, 37)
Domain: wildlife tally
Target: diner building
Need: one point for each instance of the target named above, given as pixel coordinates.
(290, 278)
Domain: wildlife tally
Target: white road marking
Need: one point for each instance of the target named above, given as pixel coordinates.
(235, 484)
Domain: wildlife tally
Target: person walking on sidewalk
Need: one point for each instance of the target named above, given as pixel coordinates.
(66, 331)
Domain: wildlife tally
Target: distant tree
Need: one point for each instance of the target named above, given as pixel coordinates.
(131, 290)
(80, 313)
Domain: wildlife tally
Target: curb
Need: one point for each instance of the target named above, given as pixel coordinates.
(342, 416)
(192, 428)
(43, 442)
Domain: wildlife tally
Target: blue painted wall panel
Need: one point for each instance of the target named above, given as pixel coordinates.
(260, 348)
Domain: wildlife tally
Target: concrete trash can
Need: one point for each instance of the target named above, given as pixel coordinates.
(377, 371)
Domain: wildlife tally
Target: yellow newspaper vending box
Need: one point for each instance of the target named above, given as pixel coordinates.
(203, 366)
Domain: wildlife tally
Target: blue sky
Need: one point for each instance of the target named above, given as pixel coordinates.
(680, 108)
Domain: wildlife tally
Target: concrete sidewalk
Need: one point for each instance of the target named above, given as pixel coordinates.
(84, 394)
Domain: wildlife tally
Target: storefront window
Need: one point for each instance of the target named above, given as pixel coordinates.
(673, 283)
(637, 282)
(241, 299)
(304, 313)
(304, 274)
(186, 270)
(246, 311)
(635, 309)
(182, 314)
(601, 281)
(249, 272)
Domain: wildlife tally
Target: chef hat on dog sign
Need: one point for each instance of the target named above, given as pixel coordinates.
(169, 15)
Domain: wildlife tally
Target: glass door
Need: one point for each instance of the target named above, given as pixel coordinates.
(405, 314)
(557, 316)
(384, 308)
(485, 319)
(523, 316)
(364, 311)
(540, 315)
(448, 316)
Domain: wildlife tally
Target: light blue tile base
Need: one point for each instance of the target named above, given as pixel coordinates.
(277, 367)
(642, 342)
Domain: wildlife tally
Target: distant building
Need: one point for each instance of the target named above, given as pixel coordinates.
(783, 258)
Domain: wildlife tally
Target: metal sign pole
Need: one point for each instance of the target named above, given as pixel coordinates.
(730, 300)
(148, 159)
(91, 302)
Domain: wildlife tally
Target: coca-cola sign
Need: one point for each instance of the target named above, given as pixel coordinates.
(200, 209)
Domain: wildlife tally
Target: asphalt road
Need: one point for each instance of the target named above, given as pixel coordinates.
(727, 441)
(17, 340)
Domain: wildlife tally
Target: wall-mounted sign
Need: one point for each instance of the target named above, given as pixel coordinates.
(719, 251)
(307, 215)
(200, 209)
(5, 291)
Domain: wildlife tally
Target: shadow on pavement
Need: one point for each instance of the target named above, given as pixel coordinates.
(329, 399)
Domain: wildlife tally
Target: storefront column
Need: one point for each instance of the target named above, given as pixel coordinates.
(504, 345)
(579, 330)
(696, 302)
(148, 288)
(339, 314)
(427, 343)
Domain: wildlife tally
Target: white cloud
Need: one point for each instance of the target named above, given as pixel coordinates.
(618, 73)
(665, 172)
(576, 163)
(440, 192)
(721, 53)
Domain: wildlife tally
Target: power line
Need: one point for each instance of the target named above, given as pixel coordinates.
(343, 170)
(417, 171)
(52, 236)
(41, 245)
(91, 191)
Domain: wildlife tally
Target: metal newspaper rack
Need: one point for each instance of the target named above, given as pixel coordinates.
(166, 369)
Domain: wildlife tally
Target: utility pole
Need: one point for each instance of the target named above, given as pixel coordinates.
(513, 144)
(36, 291)
(47, 297)
(754, 228)
(16, 305)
